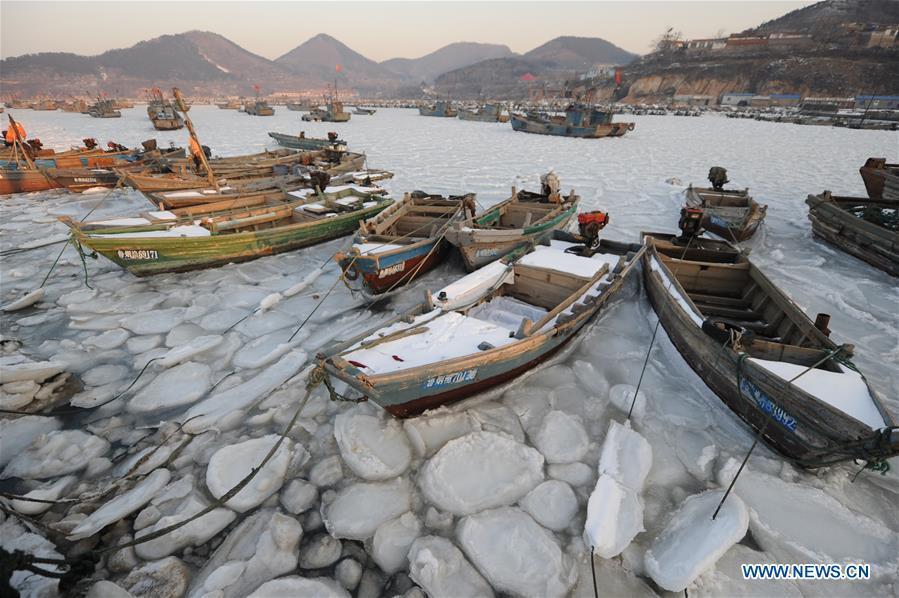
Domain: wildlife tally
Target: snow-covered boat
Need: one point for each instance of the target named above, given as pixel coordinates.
(865, 228)
(732, 215)
(402, 242)
(759, 352)
(205, 236)
(484, 329)
(523, 218)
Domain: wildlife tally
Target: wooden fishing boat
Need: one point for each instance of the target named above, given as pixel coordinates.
(881, 179)
(578, 121)
(732, 215)
(522, 219)
(333, 112)
(104, 109)
(440, 108)
(484, 329)
(230, 231)
(757, 350)
(79, 180)
(230, 105)
(162, 113)
(25, 181)
(865, 228)
(302, 142)
(403, 242)
(486, 113)
(363, 111)
(259, 108)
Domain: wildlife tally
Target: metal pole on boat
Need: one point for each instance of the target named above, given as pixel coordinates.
(193, 137)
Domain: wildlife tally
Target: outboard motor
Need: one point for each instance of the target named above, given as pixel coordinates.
(90, 143)
(35, 144)
(332, 136)
(690, 224)
(718, 177)
(589, 224)
(149, 145)
(116, 147)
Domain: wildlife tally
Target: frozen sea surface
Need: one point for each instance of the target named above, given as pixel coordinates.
(379, 500)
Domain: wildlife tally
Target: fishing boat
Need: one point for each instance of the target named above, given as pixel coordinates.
(403, 242)
(860, 226)
(881, 179)
(522, 219)
(333, 112)
(162, 113)
(230, 231)
(759, 352)
(259, 108)
(732, 215)
(439, 108)
(303, 106)
(231, 104)
(104, 109)
(485, 328)
(363, 111)
(578, 121)
(486, 113)
(78, 180)
(301, 142)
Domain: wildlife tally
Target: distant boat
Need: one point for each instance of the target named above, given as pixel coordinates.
(302, 142)
(578, 121)
(440, 108)
(305, 106)
(259, 107)
(333, 112)
(229, 105)
(104, 109)
(162, 113)
(364, 111)
(486, 113)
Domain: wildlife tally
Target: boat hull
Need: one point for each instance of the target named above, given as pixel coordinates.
(25, 181)
(79, 180)
(301, 143)
(149, 256)
(540, 127)
(379, 274)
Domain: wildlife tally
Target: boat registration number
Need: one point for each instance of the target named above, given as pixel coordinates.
(138, 254)
(486, 252)
(768, 406)
(394, 269)
(81, 179)
(454, 378)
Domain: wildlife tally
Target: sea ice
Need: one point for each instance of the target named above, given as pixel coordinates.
(122, 505)
(230, 464)
(622, 396)
(298, 496)
(54, 454)
(373, 448)
(561, 438)
(515, 553)
(326, 472)
(614, 517)
(111, 339)
(692, 541)
(552, 504)
(196, 532)
(19, 433)
(38, 371)
(158, 321)
(358, 510)
(49, 491)
(390, 546)
(575, 474)
(197, 346)
(265, 349)
(300, 587)
(319, 552)
(626, 456)
(479, 471)
(181, 385)
(443, 571)
(429, 432)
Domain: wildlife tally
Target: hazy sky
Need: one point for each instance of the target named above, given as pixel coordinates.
(378, 30)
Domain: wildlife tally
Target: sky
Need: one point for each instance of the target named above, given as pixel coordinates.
(377, 30)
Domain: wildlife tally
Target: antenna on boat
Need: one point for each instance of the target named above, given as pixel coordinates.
(195, 148)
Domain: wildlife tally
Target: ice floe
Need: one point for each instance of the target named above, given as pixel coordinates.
(359, 509)
(373, 448)
(443, 571)
(230, 464)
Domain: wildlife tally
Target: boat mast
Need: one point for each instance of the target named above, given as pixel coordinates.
(19, 143)
(193, 137)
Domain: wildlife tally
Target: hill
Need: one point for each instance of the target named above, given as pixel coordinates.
(580, 53)
(834, 12)
(447, 58)
(319, 56)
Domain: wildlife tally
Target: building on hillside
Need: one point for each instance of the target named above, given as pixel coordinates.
(736, 98)
(739, 43)
(598, 71)
(760, 101)
(693, 100)
(815, 105)
(705, 45)
(884, 38)
(785, 99)
(791, 40)
(872, 102)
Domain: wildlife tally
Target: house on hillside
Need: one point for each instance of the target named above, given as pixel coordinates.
(744, 43)
(705, 45)
(790, 40)
(887, 37)
(872, 102)
(785, 99)
(819, 105)
(736, 99)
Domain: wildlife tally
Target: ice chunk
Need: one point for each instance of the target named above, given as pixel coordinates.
(230, 464)
(107, 589)
(196, 532)
(561, 438)
(14, 536)
(196, 346)
(359, 510)
(29, 370)
(178, 386)
(372, 448)
(692, 541)
(326, 472)
(349, 573)
(298, 496)
(626, 456)
(223, 403)
(614, 517)
(300, 286)
(443, 571)
(265, 349)
(157, 321)
(430, 432)
(622, 396)
(321, 551)
(49, 491)
(515, 554)
(575, 474)
(300, 587)
(27, 300)
(552, 504)
(392, 540)
(17, 434)
(104, 374)
(54, 454)
(122, 505)
(111, 339)
(478, 471)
